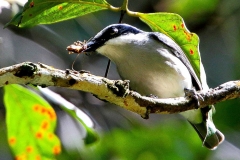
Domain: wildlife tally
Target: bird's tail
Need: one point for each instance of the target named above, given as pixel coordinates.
(210, 136)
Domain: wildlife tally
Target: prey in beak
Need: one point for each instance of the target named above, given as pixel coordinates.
(77, 47)
(81, 47)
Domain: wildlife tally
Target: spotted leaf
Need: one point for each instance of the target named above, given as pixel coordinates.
(30, 124)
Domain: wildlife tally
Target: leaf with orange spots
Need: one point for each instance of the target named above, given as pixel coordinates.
(30, 124)
(173, 26)
(50, 11)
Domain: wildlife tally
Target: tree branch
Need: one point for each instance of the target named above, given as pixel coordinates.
(113, 91)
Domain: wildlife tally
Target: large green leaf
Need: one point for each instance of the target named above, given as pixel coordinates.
(50, 11)
(30, 124)
(173, 26)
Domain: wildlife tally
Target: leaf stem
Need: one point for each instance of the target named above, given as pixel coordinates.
(115, 9)
(130, 13)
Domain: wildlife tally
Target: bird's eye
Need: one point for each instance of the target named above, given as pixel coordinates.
(114, 31)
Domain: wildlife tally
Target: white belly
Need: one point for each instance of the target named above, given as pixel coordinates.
(164, 79)
(155, 75)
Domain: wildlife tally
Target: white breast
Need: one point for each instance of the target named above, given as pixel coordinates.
(148, 64)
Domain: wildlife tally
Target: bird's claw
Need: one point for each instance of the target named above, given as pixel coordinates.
(194, 94)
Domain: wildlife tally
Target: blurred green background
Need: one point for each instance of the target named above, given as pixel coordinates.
(126, 135)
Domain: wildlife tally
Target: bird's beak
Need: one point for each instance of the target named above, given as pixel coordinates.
(91, 46)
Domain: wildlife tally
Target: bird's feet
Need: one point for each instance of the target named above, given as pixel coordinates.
(192, 93)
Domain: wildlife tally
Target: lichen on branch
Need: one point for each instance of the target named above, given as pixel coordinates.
(113, 91)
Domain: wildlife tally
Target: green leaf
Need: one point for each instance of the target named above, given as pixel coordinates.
(171, 140)
(30, 124)
(50, 11)
(173, 26)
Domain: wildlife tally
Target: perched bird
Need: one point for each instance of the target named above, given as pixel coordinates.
(156, 65)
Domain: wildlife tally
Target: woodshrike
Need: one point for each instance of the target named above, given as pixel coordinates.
(156, 65)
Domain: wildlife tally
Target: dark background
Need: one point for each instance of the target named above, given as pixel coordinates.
(128, 135)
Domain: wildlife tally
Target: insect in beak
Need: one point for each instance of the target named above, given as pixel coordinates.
(77, 47)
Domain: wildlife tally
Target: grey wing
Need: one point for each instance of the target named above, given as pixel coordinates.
(178, 52)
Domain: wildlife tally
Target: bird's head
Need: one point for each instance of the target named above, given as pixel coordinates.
(110, 32)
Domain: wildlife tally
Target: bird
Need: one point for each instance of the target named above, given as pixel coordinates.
(156, 65)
